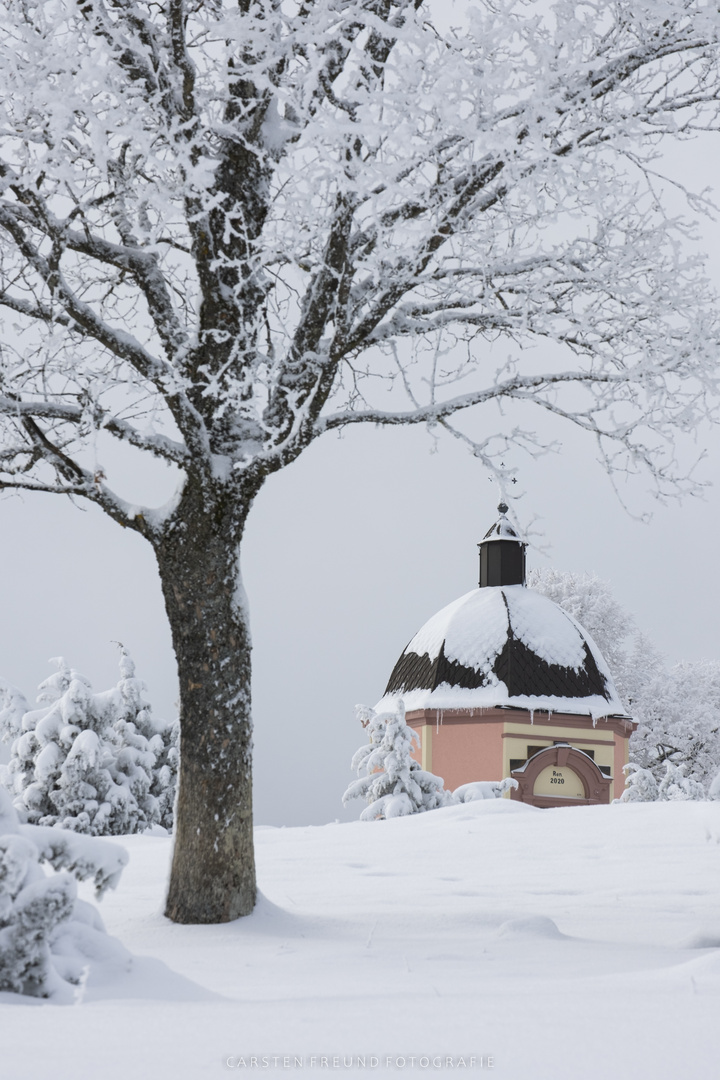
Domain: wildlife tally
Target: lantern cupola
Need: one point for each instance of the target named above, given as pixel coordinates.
(502, 554)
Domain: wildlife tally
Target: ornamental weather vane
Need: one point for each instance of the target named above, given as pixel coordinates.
(501, 481)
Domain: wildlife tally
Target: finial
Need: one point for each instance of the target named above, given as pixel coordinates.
(503, 507)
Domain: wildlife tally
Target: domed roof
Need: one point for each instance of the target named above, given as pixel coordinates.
(504, 646)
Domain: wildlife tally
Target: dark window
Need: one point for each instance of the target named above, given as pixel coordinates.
(531, 750)
(516, 762)
(590, 753)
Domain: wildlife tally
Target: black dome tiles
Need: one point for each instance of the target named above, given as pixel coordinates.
(524, 674)
(513, 644)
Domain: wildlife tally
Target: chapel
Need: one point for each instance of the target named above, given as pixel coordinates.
(504, 682)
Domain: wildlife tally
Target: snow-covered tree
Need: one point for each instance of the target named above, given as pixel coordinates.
(94, 763)
(678, 714)
(677, 708)
(140, 732)
(49, 938)
(390, 780)
(227, 229)
(675, 786)
(714, 788)
(640, 785)
(13, 706)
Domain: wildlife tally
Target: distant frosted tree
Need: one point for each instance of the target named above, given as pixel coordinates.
(678, 712)
(676, 786)
(677, 709)
(714, 788)
(94, 763)
(391, 781)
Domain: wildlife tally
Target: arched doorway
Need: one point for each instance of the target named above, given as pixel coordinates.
(560, 775)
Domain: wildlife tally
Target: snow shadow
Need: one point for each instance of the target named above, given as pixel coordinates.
(146, 978)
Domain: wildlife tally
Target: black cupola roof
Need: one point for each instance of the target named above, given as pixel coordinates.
(502, 554)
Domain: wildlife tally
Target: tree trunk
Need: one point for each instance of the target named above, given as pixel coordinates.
(213, 870)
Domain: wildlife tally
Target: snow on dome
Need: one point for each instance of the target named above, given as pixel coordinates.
(504, 645)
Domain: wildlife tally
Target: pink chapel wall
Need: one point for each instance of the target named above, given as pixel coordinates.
(463, 746)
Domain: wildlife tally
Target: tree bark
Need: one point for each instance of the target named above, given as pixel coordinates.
(213, 869)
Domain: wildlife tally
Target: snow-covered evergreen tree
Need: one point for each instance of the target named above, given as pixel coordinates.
(640, 785)
(94, 763)
(47, 936)
(140, 731)
(13, 706)
(391, 781)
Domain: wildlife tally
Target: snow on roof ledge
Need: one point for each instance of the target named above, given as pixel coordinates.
(446, 698)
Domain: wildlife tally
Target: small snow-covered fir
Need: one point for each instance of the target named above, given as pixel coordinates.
(640, 784)
(94, 763)
(391, 781)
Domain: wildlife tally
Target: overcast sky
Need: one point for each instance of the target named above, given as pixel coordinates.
(348, 552)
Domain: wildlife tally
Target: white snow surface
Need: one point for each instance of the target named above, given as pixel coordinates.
(567, 942)
(474, 629)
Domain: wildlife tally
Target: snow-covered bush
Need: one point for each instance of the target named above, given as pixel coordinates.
(675, 786)
(714, 789)
(48, 938)
(94, 763)
(483, 789)
(391, 781)
(640, 785)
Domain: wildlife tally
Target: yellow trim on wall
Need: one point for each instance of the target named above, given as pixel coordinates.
(426, 747)
(532, 733)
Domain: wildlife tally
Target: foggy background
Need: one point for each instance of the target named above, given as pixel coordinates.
(348, 551)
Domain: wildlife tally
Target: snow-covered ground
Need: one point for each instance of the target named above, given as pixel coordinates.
(573, 943)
